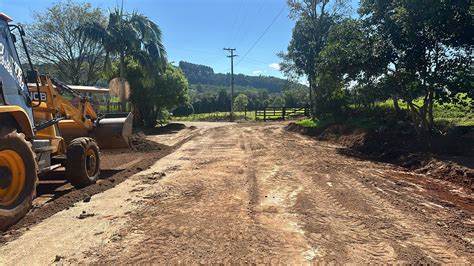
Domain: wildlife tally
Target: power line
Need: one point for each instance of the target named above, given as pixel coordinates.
(259, 10)
(263, 34)
(236, 20)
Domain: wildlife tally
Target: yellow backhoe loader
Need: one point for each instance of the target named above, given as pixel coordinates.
(41, 130)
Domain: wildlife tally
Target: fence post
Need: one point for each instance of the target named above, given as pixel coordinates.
(265, 114)
(245, 113)
(284, 112)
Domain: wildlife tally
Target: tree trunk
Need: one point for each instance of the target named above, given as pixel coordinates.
(395, 104)
(430, 110)
(311, 107)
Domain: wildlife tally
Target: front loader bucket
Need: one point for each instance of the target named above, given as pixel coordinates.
(114, 131)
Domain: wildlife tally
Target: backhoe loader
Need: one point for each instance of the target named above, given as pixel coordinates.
(41, 130)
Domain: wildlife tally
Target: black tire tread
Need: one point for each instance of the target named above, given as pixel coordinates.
(8, 217)
(75, 159)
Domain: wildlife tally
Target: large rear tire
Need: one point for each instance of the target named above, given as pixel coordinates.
(82, 162)
(18, 176)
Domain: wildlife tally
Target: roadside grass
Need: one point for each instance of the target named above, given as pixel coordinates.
(214, 116)
(448, 114)
(271, 113)
(307, 122)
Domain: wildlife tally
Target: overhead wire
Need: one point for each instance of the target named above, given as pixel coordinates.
(240, 29)
(261, 36)
(257, 14)
(236, 20)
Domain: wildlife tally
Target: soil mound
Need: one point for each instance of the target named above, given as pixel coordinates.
(138, 143)
(449, 170)
(436, 155)
(166, 129)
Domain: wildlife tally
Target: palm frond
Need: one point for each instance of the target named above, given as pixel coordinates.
(93, 31)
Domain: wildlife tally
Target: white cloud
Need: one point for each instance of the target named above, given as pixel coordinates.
(259, 72)
(275, 66)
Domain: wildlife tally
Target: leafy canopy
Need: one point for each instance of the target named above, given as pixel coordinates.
(129, 35)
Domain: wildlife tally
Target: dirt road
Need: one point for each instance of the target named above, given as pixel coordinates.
(256, 193)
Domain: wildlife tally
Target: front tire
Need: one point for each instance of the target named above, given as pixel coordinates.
(82, 162)
(18, 176)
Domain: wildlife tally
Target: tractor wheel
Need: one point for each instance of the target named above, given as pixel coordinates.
(82, 162)
(18, 176)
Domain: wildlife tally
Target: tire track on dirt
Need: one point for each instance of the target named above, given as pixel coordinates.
(399, 226)
(433, 247)
(254, 193)
(217, 215)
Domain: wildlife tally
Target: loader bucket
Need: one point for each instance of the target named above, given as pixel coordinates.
(114, 131)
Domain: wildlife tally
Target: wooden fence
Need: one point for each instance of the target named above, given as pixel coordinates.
(280, 113)
(115, 107)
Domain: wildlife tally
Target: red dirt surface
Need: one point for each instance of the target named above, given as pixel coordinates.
(258, 194)
(393, 148)
(55, 194)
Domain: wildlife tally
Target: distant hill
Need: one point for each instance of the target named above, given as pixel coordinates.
(204, 75)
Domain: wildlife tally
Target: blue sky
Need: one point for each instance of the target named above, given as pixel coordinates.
(198, 30)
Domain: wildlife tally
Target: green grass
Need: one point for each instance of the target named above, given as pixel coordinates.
(308, 122)
(373, 118)
(210, 116)
(448, 114)
(238, 115)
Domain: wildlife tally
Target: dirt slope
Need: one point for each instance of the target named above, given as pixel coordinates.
(256, 193)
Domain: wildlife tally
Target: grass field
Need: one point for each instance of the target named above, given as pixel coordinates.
(214, 116)
(308, 122)
(239, 115)
(448, 114)
(444, 115)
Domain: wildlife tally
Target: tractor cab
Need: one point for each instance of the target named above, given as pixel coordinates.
(13, 89)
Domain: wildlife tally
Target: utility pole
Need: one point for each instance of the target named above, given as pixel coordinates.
(231, 50)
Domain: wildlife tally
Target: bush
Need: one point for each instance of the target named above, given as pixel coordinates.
(184, 110)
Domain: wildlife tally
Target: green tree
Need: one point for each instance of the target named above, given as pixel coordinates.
(222, 102)
(153, 97)
(171, 88)
(129, 35)
(184, 110)
(57, 48)
(276, 101)
(348, 61)
(429, 44)
(241, 102)
(313, 21)
(204, 75)
(296, 95)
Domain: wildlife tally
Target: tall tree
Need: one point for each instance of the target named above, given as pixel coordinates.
(152, 96)
(56, 45)
(129, 35)
(350, 58)
(313, 21)
(241, 102)
(430, 46)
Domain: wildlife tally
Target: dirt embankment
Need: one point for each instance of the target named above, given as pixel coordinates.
(448, 156)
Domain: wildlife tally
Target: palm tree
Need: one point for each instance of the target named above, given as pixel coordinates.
(128, 35)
